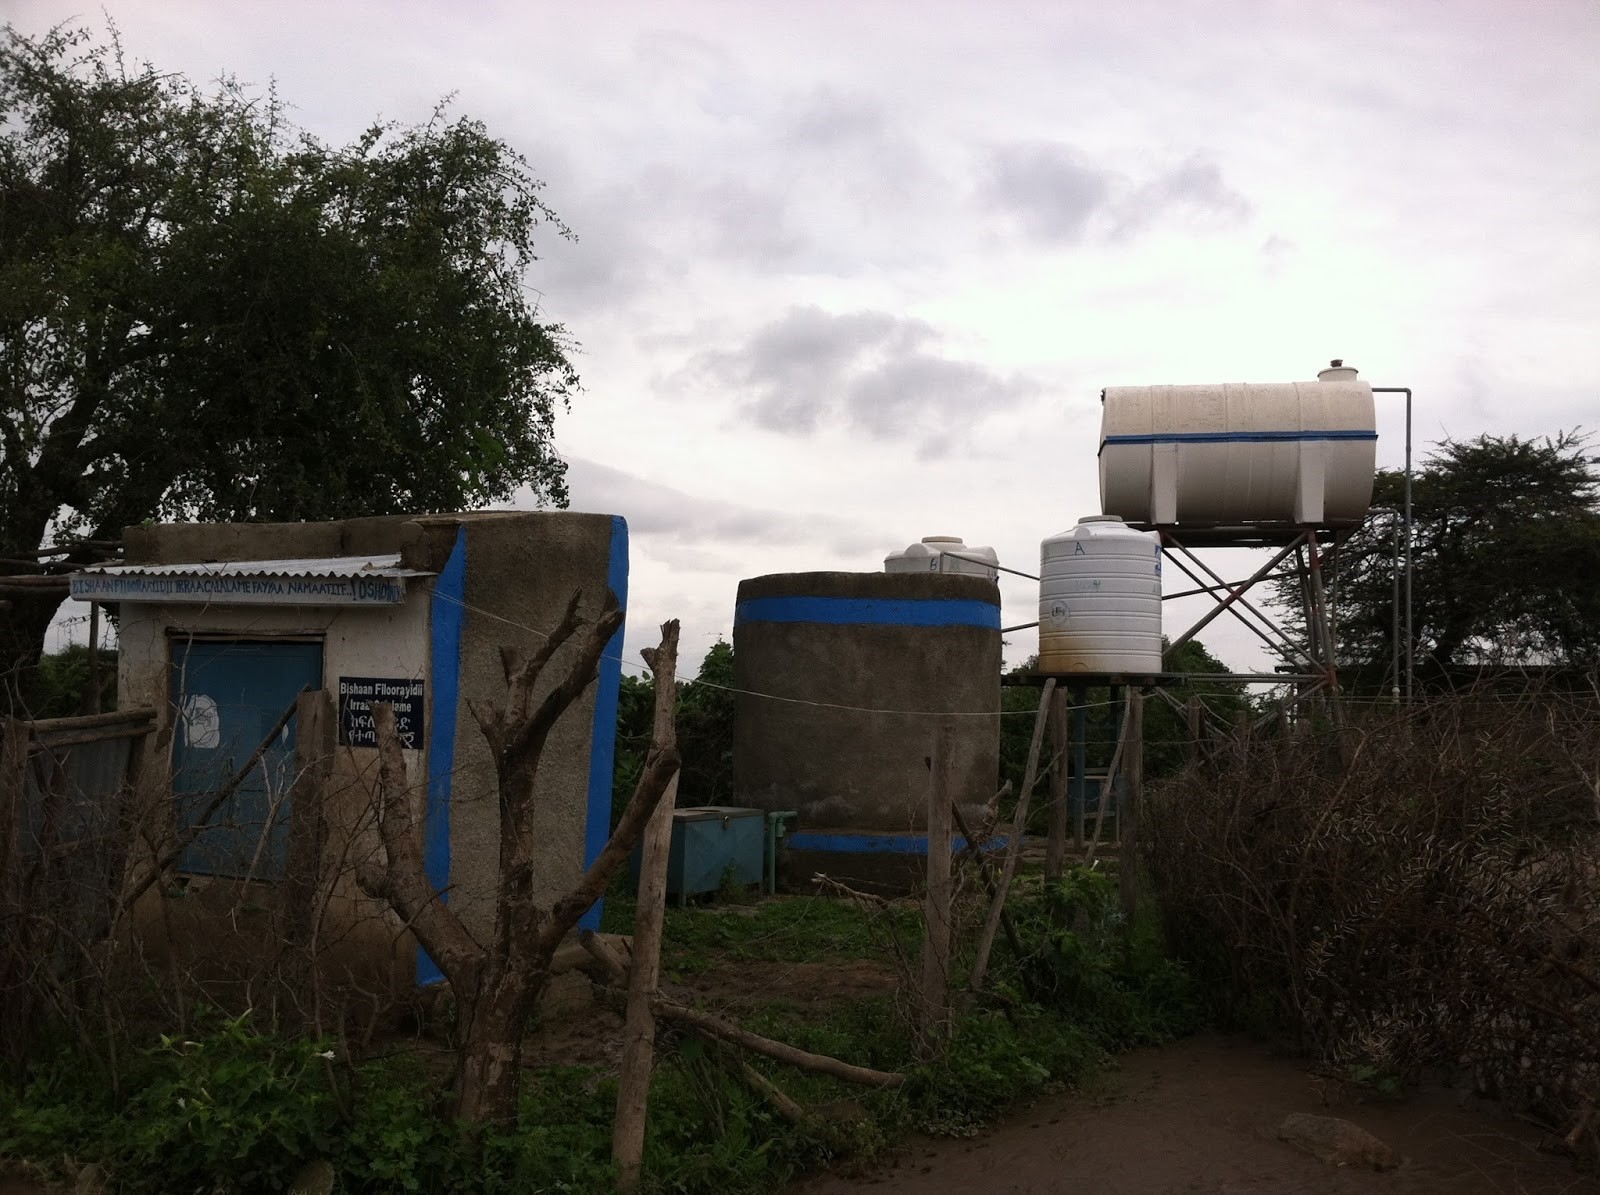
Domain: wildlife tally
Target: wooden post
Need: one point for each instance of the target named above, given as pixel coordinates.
(1192, 714)
(14, 739)
(1056, 847)
(94, 658)
(1128, 860)
(936, 906)
(1019, 823)
(313, 760)
(644, 974)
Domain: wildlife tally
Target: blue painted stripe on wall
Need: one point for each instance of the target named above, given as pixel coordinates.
(446, 614)
(1239, 437)
(603, 739)
(875, 844)
(889, 612)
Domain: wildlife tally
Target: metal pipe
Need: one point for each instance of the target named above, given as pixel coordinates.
(1021, 626)
(1411, 661)
(987, 564)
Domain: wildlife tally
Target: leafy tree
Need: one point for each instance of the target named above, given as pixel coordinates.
(705, 730)
(1505, 560)
(206, 313)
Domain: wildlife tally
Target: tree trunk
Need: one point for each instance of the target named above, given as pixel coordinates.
(491, 1045)
(22, 632)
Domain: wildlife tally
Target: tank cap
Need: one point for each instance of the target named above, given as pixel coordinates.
(1337, 371)
(1101, 519)
(941, 539)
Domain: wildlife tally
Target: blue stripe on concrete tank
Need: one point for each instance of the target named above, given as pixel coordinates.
(603, 738)
(888, 612)
(447, 613)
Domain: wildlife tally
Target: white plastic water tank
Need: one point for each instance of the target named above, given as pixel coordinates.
(1100, 599)
(944, 554)
(1298, 453)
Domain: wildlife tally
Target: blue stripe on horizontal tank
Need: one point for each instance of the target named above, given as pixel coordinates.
(881, 612)
(875, 844)
(1238, 437)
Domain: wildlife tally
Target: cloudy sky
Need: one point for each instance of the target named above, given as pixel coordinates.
(849, 274)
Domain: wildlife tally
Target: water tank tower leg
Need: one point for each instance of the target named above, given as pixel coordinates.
(1080, 760)
(1060, 742)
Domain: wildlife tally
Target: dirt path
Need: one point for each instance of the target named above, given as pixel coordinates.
(1202, 1117)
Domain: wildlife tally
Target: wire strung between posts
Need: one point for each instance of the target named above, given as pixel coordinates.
(642, 667)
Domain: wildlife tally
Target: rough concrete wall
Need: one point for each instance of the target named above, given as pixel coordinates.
(841, 768)
(521, 569)
(185, 543)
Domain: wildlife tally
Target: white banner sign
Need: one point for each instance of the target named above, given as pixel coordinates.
(229, 589)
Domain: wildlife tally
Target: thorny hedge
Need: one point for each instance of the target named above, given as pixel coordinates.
(1415, 892)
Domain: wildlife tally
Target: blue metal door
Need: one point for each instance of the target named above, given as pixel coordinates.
(226, 697)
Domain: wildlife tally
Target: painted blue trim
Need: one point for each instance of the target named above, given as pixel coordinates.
(603, 737)
(874, 844)
(1238, 437)
(883, 612)
(447, 614)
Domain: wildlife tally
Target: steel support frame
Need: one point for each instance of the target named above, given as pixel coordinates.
(1311, 661)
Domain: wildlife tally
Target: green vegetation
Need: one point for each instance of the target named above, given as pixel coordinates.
(239, 1109)
(705, 732)
(61, 686)
(1505, 556)
(207, 313)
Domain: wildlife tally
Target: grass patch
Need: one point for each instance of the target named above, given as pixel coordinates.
(239, 1110)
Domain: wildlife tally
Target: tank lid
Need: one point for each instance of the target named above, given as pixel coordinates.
(941, 539)
(1337, 371)
(1101, 519)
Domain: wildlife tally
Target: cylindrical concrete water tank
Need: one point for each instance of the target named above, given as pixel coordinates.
(842, 679)
(1237, 454)
(944, 554)
(1100, 599)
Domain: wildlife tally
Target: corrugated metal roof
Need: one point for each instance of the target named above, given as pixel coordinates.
(386, 565)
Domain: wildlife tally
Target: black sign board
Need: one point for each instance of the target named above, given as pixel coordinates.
(357, 694)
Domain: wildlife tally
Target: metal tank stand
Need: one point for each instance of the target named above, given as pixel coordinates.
(1306, 648)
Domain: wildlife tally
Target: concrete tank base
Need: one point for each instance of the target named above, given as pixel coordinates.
(844, 681)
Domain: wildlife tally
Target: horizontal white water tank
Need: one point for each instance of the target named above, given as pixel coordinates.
(1234, 454)
(944, 554)
(1100, 599)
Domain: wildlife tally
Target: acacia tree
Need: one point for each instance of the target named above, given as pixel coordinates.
(206, 313)
(1505, 559)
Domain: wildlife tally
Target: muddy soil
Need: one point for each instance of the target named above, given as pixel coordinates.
(1202, 1117)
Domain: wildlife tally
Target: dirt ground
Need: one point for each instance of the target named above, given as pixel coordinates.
(1202, 1117)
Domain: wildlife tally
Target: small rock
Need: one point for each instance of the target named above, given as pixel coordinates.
(315, 1178)
(1337, 1142)
(91, 1180)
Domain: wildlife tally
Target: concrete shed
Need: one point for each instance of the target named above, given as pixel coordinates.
(222, 625)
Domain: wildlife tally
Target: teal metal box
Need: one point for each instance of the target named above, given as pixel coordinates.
(707, 841)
